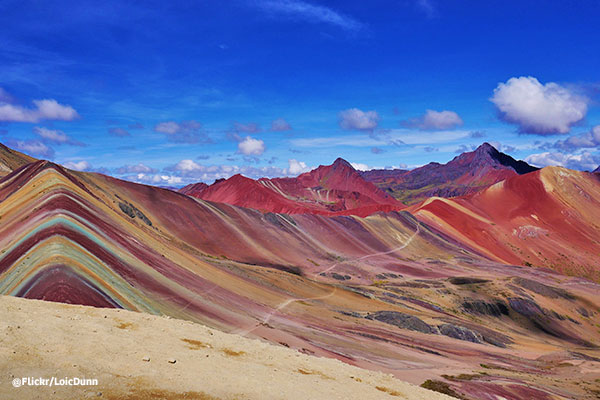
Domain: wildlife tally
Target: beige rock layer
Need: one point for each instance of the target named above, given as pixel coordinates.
(140, 356)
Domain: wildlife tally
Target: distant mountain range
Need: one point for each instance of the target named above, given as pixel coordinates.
(339, 189)
(328, 190)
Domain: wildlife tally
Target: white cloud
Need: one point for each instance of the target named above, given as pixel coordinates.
(360, 166)
(135, 169)
(183, 132)
(55, 136)
(35, 148)
(187, 166)
(583, 161)
(309, 12)
(156, 179)
(251, 147)
(78, 166)
(436, 120)
(48, 109)
(189, 172)
(536, 108)
(355, 119)
(169, 127)
(51, 109)
(280, 125)
(297, 167)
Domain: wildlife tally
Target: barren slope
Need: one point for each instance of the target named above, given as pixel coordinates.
(128, 353)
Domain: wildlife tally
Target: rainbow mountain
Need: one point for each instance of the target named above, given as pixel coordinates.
(494, 292)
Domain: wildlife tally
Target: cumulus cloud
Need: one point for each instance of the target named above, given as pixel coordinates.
(297, 167)
(135, 169)
(51, 109)
(302, 10)
(355, 119)
(251, 147)
(78, 166)
(360, 166)
(187, 166)
(47, 109)
(280, 125)
(582, 161)
(119, 132)
(536, 108)
(435, 120)
(35, 148)
(55, 136)
(183, 132)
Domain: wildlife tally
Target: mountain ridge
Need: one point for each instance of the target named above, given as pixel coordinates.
(466, 173)
(336, 189)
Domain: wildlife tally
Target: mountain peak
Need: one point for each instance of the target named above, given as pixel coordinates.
(485, 147)
(487, 154)
(340, 162)
(597, 170)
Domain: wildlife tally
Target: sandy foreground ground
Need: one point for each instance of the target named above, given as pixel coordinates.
(140, 356)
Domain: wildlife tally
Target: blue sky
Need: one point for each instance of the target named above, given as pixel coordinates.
(170, 93)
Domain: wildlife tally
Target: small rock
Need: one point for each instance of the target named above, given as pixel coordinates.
(146, 358)
(171, 361)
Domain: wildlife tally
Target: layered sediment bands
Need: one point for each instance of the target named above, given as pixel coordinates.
(62, 284)
(408, 294)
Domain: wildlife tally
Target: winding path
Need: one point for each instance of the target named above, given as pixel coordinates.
(289, 301)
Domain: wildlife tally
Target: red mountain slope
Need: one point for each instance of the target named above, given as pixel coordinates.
(329, 190)
(545, 219)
